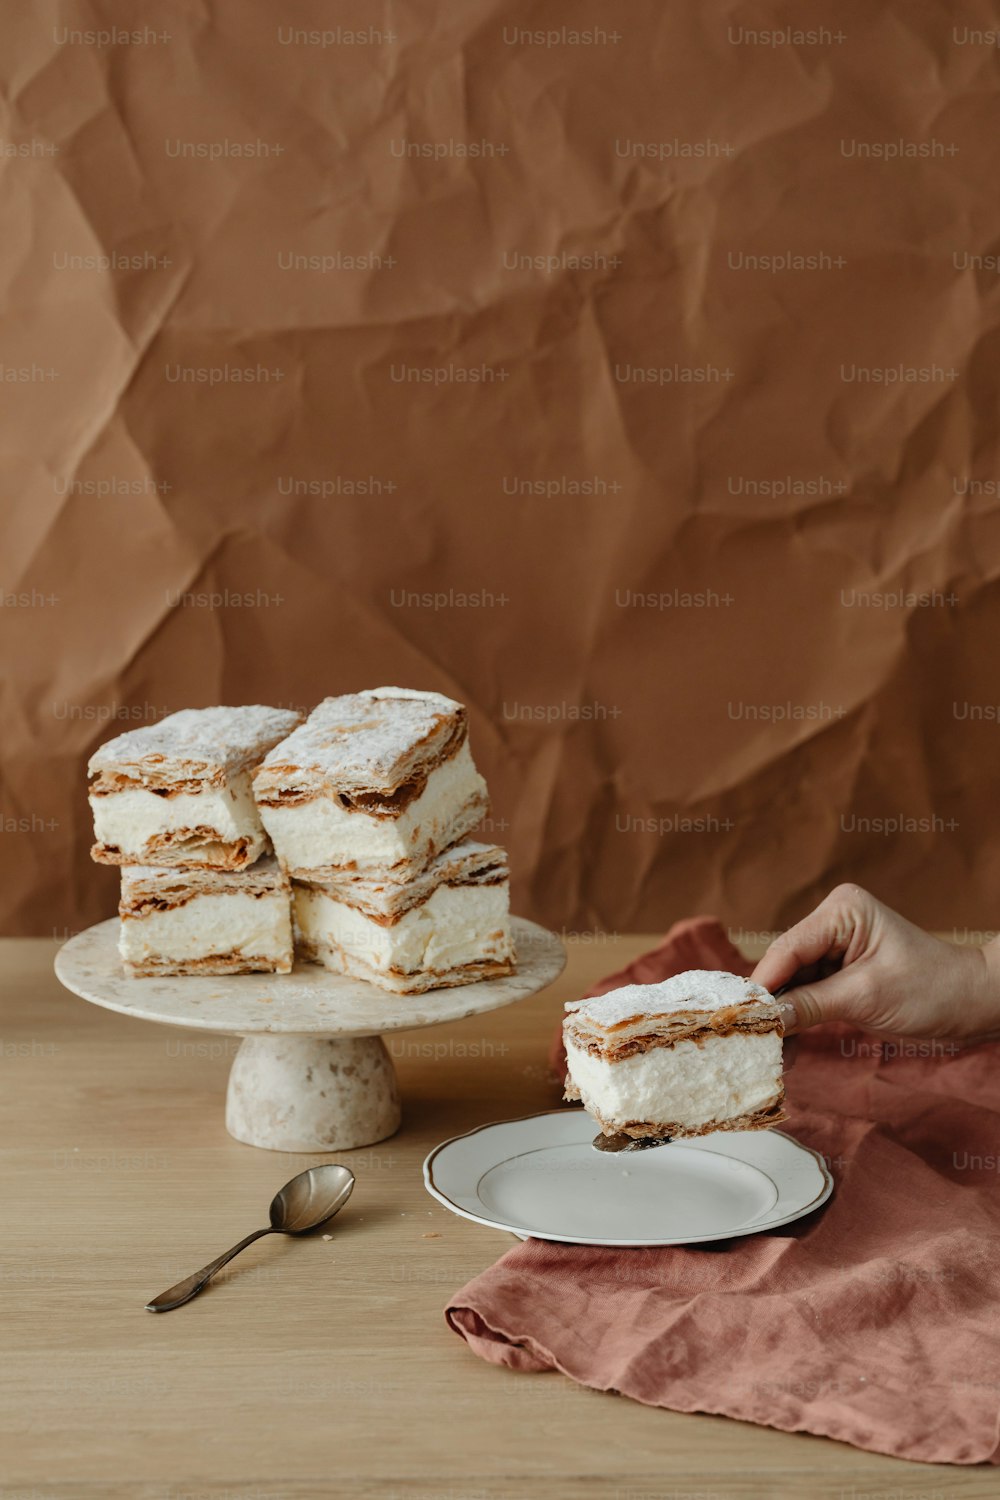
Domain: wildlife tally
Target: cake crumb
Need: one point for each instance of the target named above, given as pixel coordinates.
(431, 1234)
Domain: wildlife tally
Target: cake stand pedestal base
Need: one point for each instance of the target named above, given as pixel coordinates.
(304, 1093)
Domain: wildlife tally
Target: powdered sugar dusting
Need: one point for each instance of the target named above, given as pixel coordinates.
(447, 704)
(364, 738)
(198, 738)
(694, 990)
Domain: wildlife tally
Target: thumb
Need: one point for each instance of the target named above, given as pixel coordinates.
(835, 999)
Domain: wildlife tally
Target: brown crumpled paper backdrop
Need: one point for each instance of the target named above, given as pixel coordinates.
(300, 222)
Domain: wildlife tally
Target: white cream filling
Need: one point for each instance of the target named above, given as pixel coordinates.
(312, 835)
(691, 1083)
(129, 819)
(254, 926)
(457, 925)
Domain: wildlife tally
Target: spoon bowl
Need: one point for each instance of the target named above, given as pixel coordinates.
(311, 1198)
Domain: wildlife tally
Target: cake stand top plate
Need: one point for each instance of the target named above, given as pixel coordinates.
(309, 1001)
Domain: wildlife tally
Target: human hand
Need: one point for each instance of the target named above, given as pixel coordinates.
(855, 960)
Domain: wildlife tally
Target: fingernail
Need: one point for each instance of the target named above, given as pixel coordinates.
(789, 1016)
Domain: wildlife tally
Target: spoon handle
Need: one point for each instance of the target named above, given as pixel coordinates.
(177, 1295)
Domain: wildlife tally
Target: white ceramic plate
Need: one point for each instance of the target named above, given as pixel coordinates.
(540, 1177)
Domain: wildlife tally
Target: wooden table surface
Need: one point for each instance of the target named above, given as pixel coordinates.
(316, 1367)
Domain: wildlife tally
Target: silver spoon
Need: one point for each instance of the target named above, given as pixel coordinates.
(623, 1142)
(302, 1204)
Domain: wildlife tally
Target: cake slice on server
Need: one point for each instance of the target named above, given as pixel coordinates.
(447, 926)
(699, 1052)
(178, 792)
(198, 921)
(371, 783)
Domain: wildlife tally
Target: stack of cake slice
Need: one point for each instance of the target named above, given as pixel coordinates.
(173, 805)
(368, 805)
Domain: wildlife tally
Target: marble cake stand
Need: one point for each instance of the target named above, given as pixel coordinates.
(312, 1072)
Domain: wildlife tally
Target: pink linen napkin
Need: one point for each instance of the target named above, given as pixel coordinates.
(875, 1320)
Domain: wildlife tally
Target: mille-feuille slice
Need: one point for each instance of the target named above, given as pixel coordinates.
(699, 1052)
(178, 792)
(372, 782)
(447, 926)
(191, 921)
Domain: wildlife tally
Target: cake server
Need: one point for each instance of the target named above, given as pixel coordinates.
(308, 1201)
